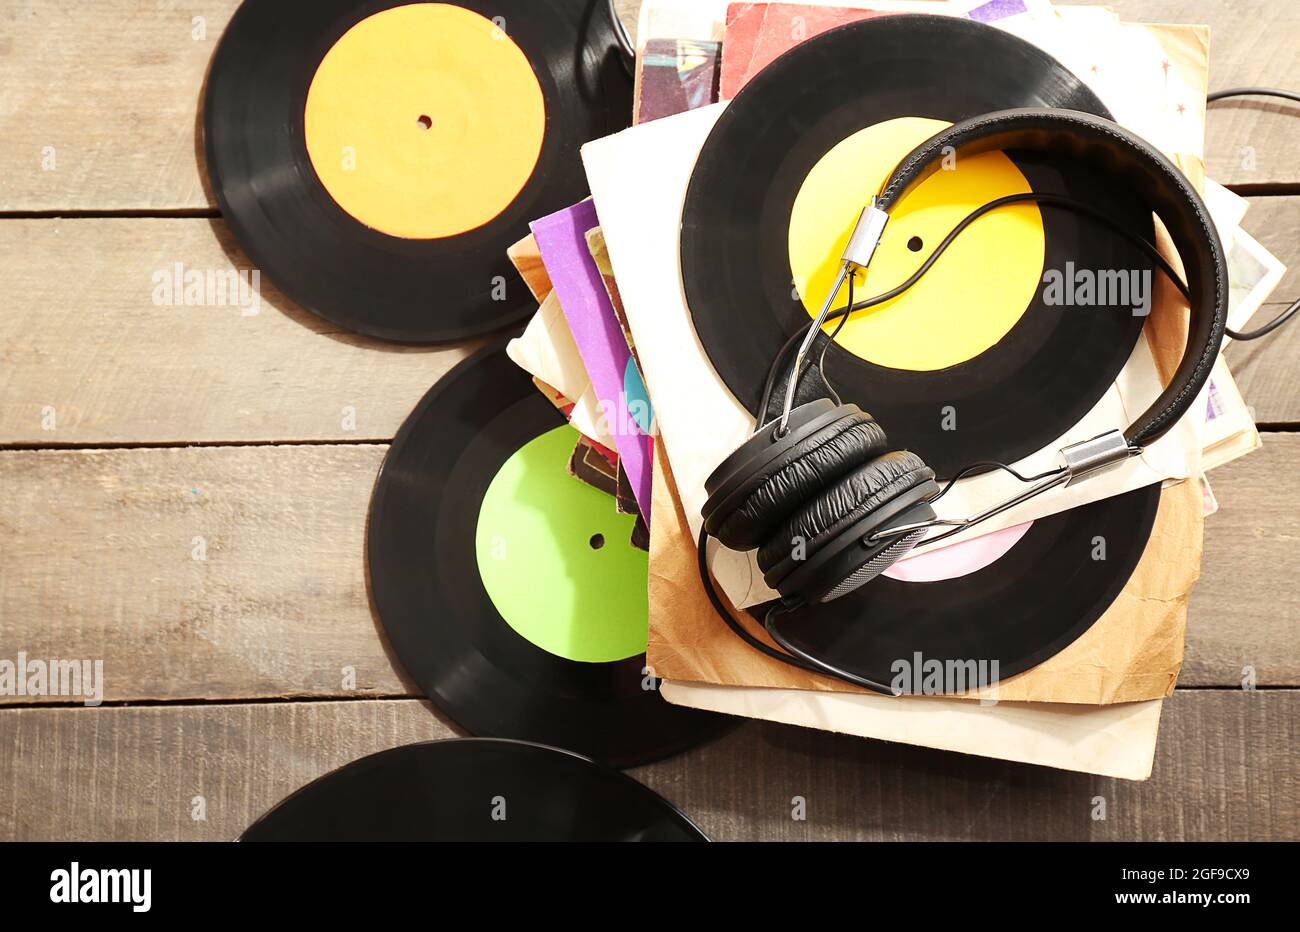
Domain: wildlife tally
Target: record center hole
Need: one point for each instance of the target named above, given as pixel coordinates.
(426, 122)
(597, 541)
(916, 244)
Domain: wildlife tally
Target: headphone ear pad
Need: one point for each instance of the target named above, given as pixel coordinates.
(853, 500)
(812, 463)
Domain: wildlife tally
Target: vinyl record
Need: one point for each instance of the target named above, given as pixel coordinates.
(376, 158)
(1028, 605)
(977, 346)
(474, 791)
(510, 591)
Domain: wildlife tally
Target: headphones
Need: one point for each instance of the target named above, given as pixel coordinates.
(820, 494)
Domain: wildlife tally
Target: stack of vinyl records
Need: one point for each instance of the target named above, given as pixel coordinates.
(640, 252)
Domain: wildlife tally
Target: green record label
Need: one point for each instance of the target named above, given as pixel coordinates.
(557, 560)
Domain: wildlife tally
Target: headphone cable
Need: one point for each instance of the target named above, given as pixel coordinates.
(852, 307)
(1042, 199)
(706, 578)
(1280, 94)
(1253, 92)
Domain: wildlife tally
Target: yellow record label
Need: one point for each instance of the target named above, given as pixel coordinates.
(425, 121)
(974, 295)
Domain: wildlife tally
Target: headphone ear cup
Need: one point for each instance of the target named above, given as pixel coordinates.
(817, 452)
(837, 523)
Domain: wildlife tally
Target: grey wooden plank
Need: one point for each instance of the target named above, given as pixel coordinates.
(1226, 770)
(55, 57)
(65, 66)
(100, 345)
(1252, 42)
(97, 561)
(217, 573)
(101, 102)
(1275, 222)
(1266, 370)
(98, 352)
(1245, 611)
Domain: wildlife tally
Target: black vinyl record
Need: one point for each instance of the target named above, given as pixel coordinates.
(1010, 400)
(472, 630)
(474, 791)
(447, 282)
(1036, 600)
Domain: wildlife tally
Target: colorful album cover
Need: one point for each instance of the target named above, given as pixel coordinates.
(760, 33)
(591, 467)
(636, 383)
(619, 389)
(678, 75)
(995, 10)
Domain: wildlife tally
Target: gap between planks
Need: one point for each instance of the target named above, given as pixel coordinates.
(1226, 768)
(100, 548)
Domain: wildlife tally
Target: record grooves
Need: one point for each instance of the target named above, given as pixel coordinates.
(475, 791)
(425, 560)
(1028, 606)
(409, 290)
(1012, 400)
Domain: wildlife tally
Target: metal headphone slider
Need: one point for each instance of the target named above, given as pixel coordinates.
(866, 236)
(1095, 456)
(857, 255)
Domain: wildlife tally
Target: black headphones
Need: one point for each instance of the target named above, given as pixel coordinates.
(819, 493)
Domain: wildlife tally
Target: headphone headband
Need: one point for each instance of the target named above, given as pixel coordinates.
(1151, 178)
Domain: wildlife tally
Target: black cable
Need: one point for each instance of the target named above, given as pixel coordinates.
(1054, 200)
(1286, 316)
(1051, 200)
(769, 384)
(821, 360)
(1281, 320)
(624, 39)
(1254, 92)
(1044, 199)
(851, 308)
(707, 579)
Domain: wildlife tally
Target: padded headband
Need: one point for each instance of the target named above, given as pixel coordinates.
(1152, 179)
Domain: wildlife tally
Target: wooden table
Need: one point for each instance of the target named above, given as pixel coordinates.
(134, 437)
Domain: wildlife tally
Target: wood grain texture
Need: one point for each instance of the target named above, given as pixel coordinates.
(1245, 611)
(92, 337)
(1266, 370)
(112, 91)
(54, 62)
(1226, 770)
(97, 562)
(1252, 42)
(98, 548)
(95, 340)
(1275, 222)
